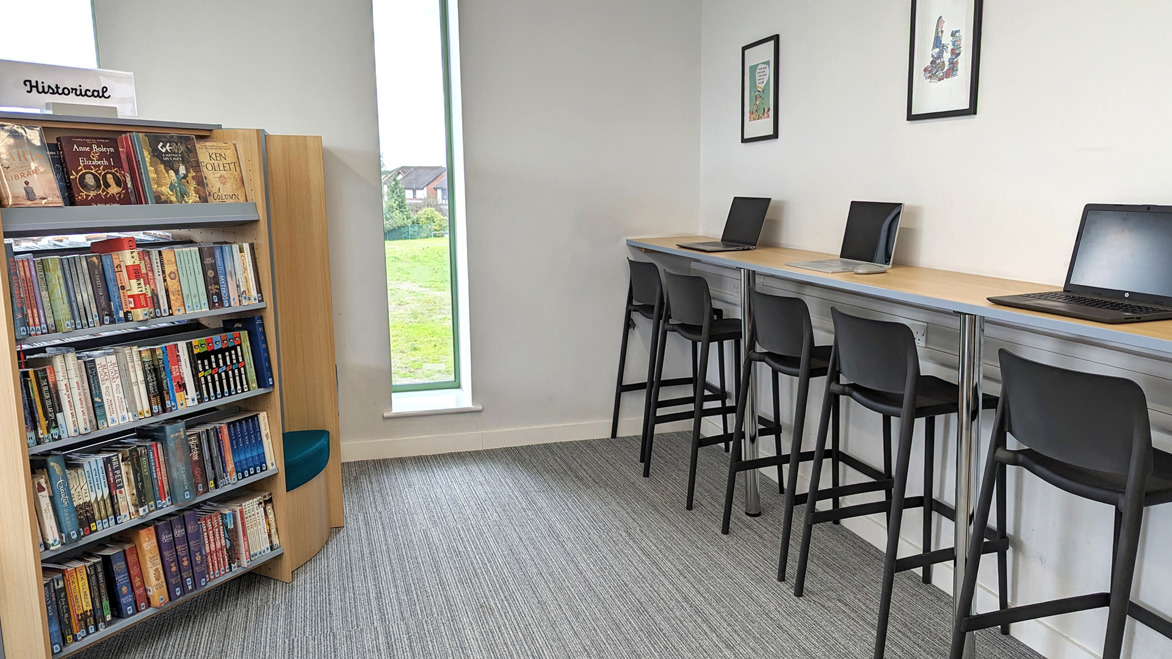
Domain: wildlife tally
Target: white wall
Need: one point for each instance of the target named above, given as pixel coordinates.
(581, 125)
(1071, 110)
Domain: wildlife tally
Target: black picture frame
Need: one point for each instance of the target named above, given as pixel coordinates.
(751, 129)
(918, 107)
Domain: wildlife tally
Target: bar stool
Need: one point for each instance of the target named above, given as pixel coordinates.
(645, 297)
(688, 312)
(781, 328)
(1090, 436)
(880, 363)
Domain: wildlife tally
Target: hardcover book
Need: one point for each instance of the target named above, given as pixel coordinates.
(220, 162)
(172, 167)
(59, 173)
(26, 173)
(97, 175)
(151, 564)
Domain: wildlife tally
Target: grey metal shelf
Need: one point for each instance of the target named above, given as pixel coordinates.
(118, 624)
(99, 122)
(161, 512)
(65, 220)
(124, 428)
(119, 329)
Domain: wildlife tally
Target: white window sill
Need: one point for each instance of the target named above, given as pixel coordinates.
(427, 403)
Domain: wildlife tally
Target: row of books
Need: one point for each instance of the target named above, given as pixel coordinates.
(68, 394)
(156, 564)
(118, 282)
(89, 490)
(134, 168)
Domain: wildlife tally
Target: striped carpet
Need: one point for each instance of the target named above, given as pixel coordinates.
(557, 550)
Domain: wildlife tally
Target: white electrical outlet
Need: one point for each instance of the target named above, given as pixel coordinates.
(920, 332)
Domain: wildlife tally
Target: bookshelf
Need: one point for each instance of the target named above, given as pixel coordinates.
(22, 612)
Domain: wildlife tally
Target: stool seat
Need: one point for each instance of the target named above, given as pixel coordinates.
(934, 397)
(1096, 485)
(722, 329)
(306, 455)
(792, 366)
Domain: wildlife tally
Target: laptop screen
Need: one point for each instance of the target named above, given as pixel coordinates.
(870, 231)
(1124, 251)
(745, 220)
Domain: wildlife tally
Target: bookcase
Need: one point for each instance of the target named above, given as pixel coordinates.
(22, 612)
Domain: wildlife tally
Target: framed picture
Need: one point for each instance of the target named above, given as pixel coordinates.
(759, 90)
(945, 58)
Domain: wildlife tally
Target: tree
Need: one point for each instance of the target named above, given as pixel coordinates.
(395, 211)
(433, 219)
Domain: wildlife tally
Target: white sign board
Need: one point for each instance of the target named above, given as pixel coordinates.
(26, 85)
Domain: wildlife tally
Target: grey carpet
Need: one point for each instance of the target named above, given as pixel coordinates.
(558, 550)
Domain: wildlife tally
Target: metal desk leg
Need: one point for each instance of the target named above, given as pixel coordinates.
(752, 494)
(968, 429)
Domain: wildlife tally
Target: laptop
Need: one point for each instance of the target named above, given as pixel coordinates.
(871, 229)
(1120, 271)
(742, 229)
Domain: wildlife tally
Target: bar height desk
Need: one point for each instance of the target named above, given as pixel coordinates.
(938, 290)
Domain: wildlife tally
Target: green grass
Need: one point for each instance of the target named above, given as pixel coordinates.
(420, 304)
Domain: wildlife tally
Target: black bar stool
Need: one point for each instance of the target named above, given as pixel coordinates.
(645, 298)
(1090, 436)
(782, 330)
(880, 363)
(689, 313)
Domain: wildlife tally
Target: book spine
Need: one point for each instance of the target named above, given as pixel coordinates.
(41, 289)
(136, 293)
(173, 284)
(53, 415)
(154, 579)
(76, 615)
(103, 590)
(34, 315)
(221, 275)
(170, 558)
(55, 640)
(97, 396)
(150, 494)
(113, 288)
(232, 293)
(201, 290)
(246, 295)
(71, 297)
(156, 402)
(16, 294)
(255, 271)
(126, 482)
(163, 490)
(195, 545)
(82, 280)
(62, 605)
(50, 534)
(118, 574)
(134, 361)
(190, 388)
(62, 498)
(159, 281)
(84, 595)
(148, 285)
(56, 282)
(183, 554)
(93, 264)
(137, 582)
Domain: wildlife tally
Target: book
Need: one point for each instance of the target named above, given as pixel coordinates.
(172, 436)
(117, 575)
(171, 573)
(151, 564)
(96, 173)
(197, 549)
(26, 173)
(128, 268)
(58, 165)
(61, 496)
(254, 326)
(134, 569)
(183, 553)
(220, 162)
(16, 295)
(171, 165)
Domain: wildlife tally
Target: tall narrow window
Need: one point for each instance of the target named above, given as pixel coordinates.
(413, 70)
(57, 32)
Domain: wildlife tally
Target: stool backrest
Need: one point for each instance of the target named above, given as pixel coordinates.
(875, 354)
(1091, 421)
(782, 324)
(688, 300)
(646, 287)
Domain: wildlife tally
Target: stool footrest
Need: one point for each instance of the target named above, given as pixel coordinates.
(1147, 617)
(945, 555)
(716, 439)
(859, 466)
(847, 512)
(685, 400)
(761, 463)
(856, 488)
(1034, 611)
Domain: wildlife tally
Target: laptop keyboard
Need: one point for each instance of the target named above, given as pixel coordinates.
(1097, 303)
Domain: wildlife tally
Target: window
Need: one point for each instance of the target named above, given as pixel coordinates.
(414, 75)
(69, 23)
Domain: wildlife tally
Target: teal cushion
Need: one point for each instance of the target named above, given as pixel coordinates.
(306, 454)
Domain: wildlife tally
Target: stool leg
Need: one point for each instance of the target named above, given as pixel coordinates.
(734, 458)
(887, 462)
(929, 502)
(649, 432)
(902, 458)
(812, 493)
(993, 470)
(1003, 555)
(723, 391)
(618, 387)
(650, 409)
(738, 384)
(791, 477)
(836, 448)
(1121, 578)
(777, 429)
(697, 418)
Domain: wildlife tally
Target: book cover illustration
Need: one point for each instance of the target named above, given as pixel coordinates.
(58, 165)
(220, 162)
(96, 173)
(26, 173)
(172, 165)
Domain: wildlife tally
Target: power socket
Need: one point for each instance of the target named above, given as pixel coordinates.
(919, 331)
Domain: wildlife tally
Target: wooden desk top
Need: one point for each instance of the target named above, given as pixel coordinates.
(924, 287)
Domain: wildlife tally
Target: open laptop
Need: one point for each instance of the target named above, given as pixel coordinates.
(1120, 271)
(869, 240)
(742, 229)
